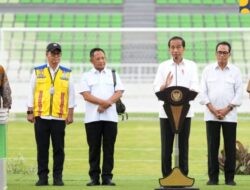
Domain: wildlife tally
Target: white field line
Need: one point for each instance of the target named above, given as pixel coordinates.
(117, 149)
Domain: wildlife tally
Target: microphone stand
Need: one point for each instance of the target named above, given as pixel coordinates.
(176, 137)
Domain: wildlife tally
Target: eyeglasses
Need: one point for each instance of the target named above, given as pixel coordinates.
(222, 52)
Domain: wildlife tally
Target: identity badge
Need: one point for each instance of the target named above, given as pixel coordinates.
(52, 90)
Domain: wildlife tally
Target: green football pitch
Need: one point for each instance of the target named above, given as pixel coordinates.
(137, 155)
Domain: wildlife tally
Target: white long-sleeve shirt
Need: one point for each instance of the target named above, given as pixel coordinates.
(30, 101)
(221, 88)
(184, 74)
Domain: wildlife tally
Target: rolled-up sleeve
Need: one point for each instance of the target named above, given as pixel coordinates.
(194, 81)
(119, 85)
(204, 99)
(237, 100)
(158, 80)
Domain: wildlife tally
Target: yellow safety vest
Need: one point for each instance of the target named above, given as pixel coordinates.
(51, 97)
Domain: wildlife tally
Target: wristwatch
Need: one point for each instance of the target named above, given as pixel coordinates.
(29, 112)
(230, 107)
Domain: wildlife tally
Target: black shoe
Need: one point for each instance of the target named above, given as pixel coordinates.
(42, 182)
(93, 183)
(210, 182)
(232, 182)
(58, 182)
(108, 182)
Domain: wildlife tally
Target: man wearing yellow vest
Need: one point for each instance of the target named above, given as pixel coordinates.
(51, 104)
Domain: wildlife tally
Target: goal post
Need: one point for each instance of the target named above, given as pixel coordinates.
(22, 48)
(134, 52)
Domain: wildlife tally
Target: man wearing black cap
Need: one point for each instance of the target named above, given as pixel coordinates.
(50, 107)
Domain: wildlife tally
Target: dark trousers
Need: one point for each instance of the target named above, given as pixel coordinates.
(167, 140)
(44, 129)
(101, 133)
(213, 142)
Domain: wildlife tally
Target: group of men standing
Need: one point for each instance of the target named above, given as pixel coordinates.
(220, 92)
(51, 106)
(51, 103)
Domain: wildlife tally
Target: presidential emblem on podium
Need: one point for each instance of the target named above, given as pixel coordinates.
(176, 105)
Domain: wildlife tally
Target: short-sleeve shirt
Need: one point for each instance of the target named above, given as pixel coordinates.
(101, 85)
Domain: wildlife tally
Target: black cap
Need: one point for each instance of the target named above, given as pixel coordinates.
(53, 46)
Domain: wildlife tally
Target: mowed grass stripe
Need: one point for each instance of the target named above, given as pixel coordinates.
(117, 149)
(137, 155)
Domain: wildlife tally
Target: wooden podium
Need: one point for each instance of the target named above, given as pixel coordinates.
(176, 105)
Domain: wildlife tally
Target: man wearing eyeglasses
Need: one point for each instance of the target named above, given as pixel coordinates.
(221, 92)
(50, 107)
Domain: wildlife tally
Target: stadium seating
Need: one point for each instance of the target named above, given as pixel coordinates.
(60, 20)
(69, 2)
(200, 46)
(202, 20)
(31, 45)
(197, 2)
